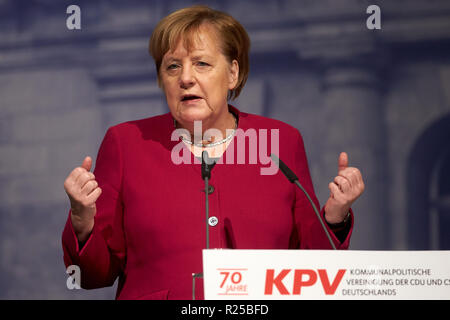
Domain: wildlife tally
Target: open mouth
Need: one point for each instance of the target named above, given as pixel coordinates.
(189, 97)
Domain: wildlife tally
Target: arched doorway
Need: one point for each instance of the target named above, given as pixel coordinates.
(428, 189)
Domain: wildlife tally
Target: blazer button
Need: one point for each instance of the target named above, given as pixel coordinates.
(210, 189)
(213, 221)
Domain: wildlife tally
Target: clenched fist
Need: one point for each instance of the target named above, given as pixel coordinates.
(83, 192)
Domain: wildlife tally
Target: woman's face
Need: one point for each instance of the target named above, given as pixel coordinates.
(196, 82)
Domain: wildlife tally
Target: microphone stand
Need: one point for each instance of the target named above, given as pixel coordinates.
(317, 214)
(294, 179)
(206, 175)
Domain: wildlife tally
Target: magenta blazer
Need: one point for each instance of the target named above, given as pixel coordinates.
(150, 225)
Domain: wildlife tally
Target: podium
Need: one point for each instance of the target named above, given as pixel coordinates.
(326, 275)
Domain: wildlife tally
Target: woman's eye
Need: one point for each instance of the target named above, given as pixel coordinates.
(172, 66)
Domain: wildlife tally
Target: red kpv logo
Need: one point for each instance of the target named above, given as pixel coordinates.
(302, 278)
(233, 282)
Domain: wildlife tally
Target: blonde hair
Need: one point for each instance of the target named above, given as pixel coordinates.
(185, 24)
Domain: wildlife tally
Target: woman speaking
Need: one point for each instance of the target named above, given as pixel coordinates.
(140, 216)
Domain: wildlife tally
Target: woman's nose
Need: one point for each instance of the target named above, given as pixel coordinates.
(187, 78)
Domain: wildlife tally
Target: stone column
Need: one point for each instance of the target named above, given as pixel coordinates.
(353, 122)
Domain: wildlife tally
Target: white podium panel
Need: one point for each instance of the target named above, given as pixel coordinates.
(325, 274)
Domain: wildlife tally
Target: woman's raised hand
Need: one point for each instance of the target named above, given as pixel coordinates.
(83, 192)
(347, 186)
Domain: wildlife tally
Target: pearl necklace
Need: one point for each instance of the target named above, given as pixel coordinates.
(213, 144)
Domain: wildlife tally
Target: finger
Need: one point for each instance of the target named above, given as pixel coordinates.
(348, 174)
(357, 177)
(89, 187)
(336, 193)
(361, 185)
(353, 175)
(73, 176)
(94, 195)
(359, 182)
(84, 178)
(342, 161)
(71, 181)
(343, 183)
(87, 163)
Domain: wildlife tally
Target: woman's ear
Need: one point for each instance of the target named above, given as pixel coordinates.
(234, 74)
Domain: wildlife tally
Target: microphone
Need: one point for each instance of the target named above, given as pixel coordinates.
(207, 165)
(294, 179)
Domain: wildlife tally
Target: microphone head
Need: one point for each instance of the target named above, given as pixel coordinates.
(275, 159)
(206, 159)
(206, 168)
(284, 168)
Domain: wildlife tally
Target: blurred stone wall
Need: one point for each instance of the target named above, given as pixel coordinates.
(383, 96)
